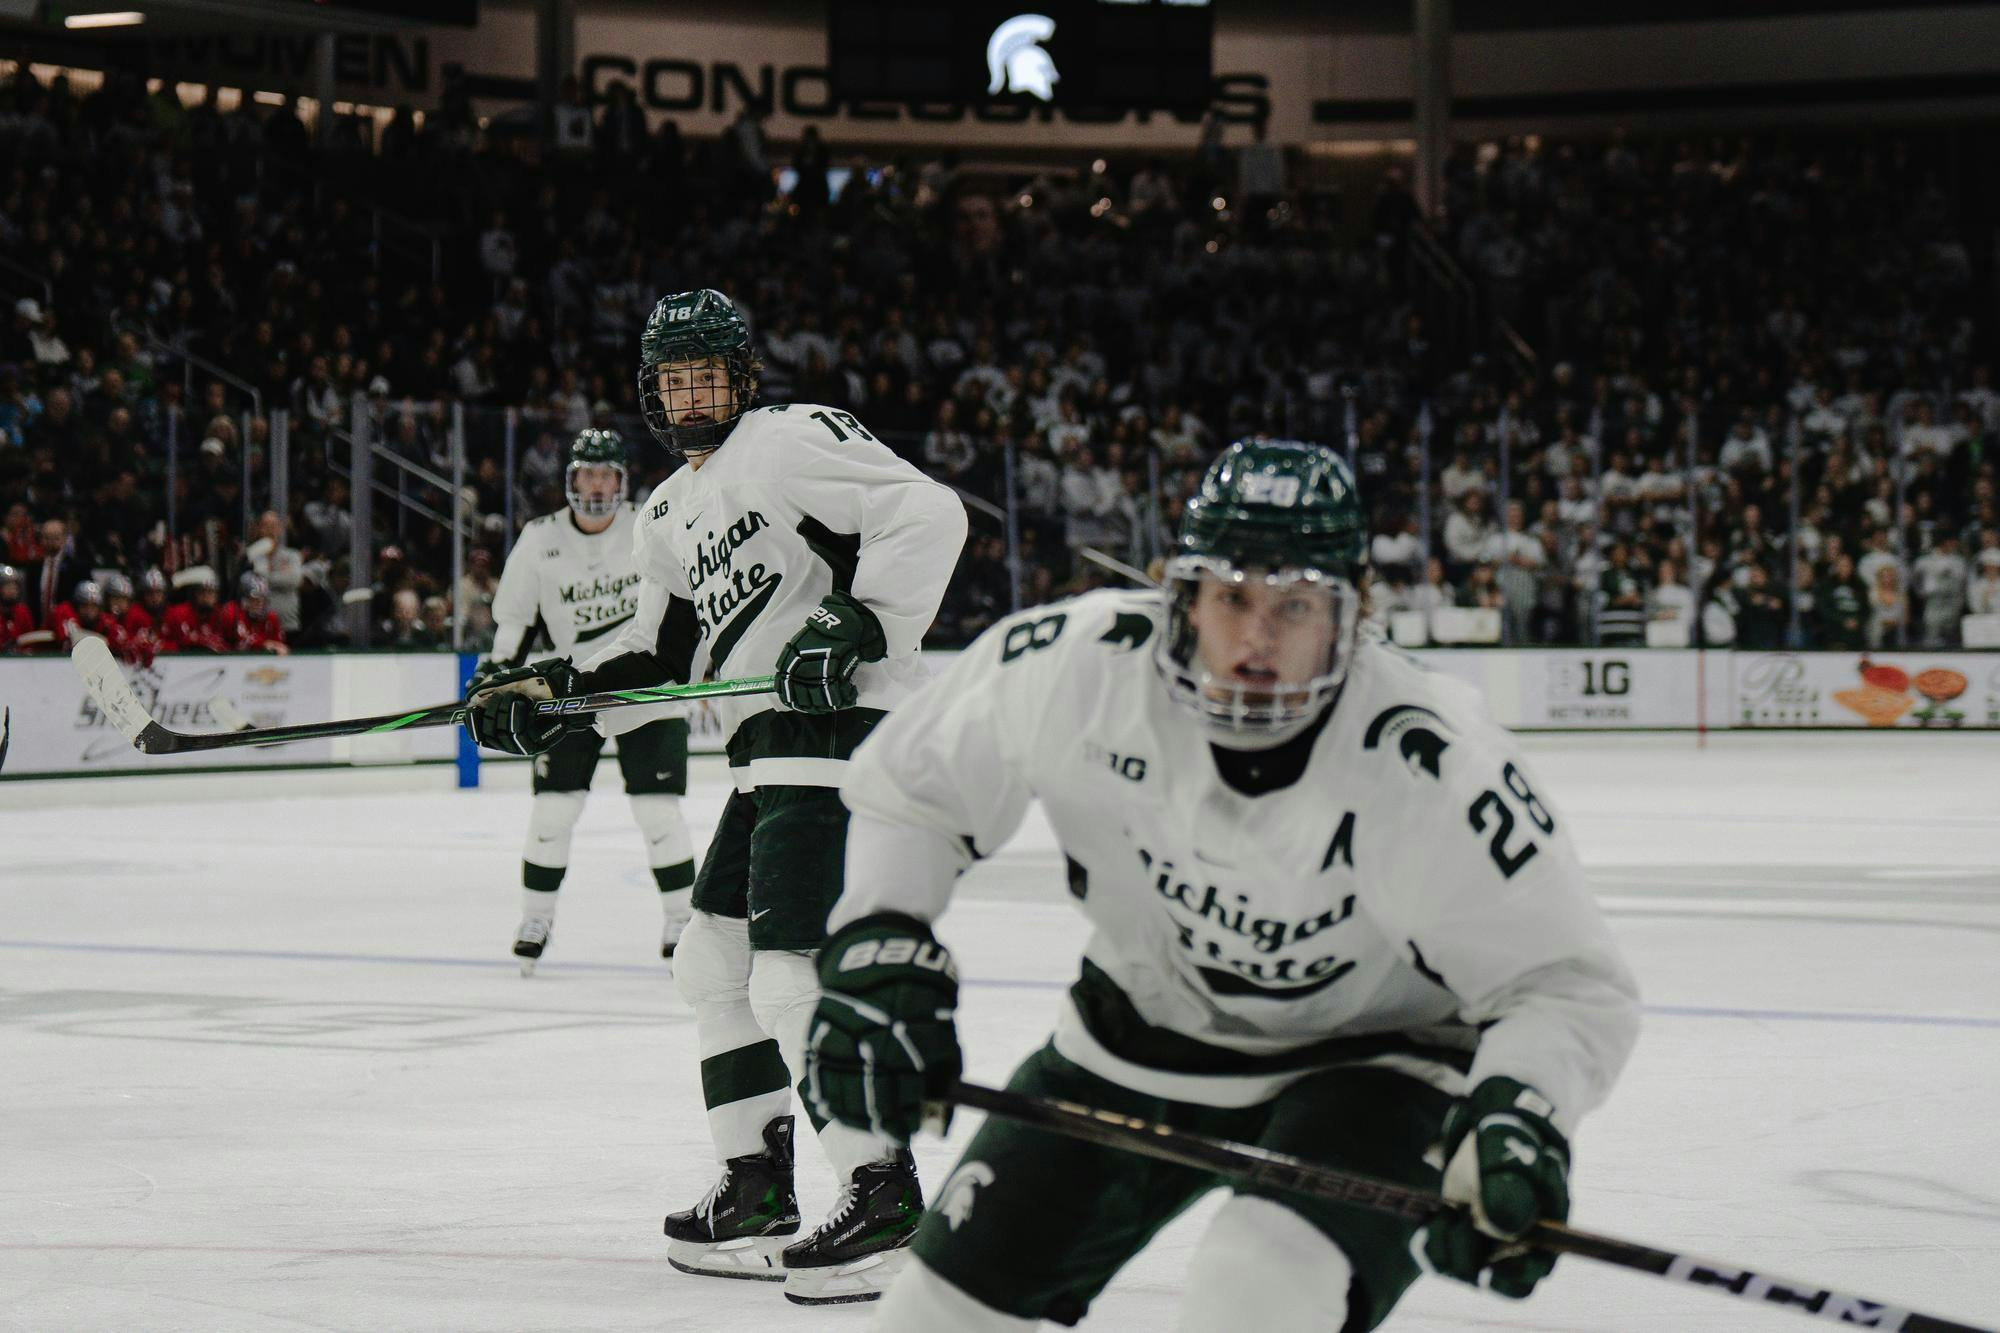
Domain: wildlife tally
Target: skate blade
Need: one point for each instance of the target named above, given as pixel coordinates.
(755, 1258)
(863, 1279)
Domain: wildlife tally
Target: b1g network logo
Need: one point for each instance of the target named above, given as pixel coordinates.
(1015, 60)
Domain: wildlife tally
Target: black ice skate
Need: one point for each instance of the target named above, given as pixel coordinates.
(530, 940)
(742, 1225)
(864, 1242)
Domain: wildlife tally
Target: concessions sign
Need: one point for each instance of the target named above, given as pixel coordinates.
(1910, 691)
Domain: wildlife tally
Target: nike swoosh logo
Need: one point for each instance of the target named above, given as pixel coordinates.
(691, 522)
(755, 915)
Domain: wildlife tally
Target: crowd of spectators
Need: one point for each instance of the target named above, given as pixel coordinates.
(1698, 333)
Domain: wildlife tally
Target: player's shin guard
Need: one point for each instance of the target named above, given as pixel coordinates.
(670, 853)
(743, 1077)
(1260, 1265)
(919, 1301)
(784, 990)
(543, 861)
(863, 1243)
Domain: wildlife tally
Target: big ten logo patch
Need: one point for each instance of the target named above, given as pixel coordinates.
(1131, 767)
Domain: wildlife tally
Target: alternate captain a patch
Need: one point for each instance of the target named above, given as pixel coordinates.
(1418, 734)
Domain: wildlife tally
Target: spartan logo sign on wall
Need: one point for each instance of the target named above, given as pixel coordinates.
(1015, 61)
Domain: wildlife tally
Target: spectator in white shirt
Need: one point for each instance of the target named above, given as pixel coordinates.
(1925, 434)
(1429, 595)
(1981, 397)
(1888, 607)
(1941, 575)
(281, 567)
(1746, 448)
(1659, 489)
(1465, 533)
(1984, 599)
(1878, 554)
(948, 451)
(1517, 558)
(1461, 476)
(1395, 551)
(1670, 601)
(498, 252)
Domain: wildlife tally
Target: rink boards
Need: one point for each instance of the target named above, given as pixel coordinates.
(57, 730)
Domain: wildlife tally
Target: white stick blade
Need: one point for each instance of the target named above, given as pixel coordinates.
(107, 685)
(228, 715)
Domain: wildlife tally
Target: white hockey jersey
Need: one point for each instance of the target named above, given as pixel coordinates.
(1412, 899)
(799, 501)
(580, 587)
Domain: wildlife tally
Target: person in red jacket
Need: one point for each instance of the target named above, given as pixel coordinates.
(248, 624)
(118, 609)
(143, 619)
(84, 614)
(194, 626)
(15, 619)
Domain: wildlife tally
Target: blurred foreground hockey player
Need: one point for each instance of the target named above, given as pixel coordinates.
(797, 545)
(1331, 913)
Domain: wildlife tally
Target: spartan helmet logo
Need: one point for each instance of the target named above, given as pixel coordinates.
(1017, 63)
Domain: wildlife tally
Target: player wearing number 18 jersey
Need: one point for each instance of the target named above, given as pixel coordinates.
(793, 544)
(1330, 912)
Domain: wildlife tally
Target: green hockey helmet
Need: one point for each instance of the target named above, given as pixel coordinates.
(596, 448)
(1264, 588)
(687, 332)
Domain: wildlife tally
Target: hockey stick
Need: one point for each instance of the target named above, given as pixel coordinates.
(115, 699)
(6, 730)
(1278, 1170)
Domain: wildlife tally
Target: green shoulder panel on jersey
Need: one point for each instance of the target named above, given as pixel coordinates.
(1104, 623)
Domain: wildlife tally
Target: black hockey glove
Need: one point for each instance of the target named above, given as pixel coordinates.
(500, 707)
(883, 1039)
(1507, 1167)
(816, 669)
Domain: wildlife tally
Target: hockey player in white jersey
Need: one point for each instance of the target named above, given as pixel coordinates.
(572, 578)
(795, 544)
(1331, 913)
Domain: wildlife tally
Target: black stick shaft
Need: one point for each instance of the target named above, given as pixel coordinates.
(113, 694)
(156, 739)
(1278, 1170)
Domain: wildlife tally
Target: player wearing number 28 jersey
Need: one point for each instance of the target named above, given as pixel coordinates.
(1330, 912)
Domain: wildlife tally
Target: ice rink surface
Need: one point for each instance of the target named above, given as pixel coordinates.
(266, 1063)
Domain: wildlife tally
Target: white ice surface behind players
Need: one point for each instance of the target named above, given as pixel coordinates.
(268, 1066)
